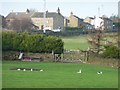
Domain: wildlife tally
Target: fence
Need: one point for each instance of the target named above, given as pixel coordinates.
(67, 56)
(74, 56)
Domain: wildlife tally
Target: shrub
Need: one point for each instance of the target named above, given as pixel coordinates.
(27, 42)
(111, 52)
(7, 40)
(73, 28)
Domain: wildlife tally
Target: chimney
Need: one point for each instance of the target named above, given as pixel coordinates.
(119, 9)
(27, 11)
(71, 13)
(58, 10)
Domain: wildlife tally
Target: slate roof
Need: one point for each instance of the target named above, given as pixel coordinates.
(78, 17)
(33, 15)
(87, 23)
(18, 15)
(48, 14)
(90, 17)
(106, 18)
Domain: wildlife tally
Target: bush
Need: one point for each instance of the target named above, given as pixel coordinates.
(73, 28)
(7, 40)
(27, 42)
(111, 52)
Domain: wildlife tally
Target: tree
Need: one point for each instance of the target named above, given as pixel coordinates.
(2, 22)
(114, 18)
(95, 40)
(32, 10)
(21, 24)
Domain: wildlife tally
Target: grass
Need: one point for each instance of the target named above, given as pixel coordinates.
(0, 74)
(75, 42)
(58, 75)
(80, 42)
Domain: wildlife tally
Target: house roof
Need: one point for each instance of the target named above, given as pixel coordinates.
(1, 16)
(18, 15)
(48, 14)
(33, 15)
(88, 24)
(90, 17)
(104, 18)
(78, 17)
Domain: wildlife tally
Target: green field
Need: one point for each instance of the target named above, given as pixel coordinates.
(75, 42)
(80, 42)
(58, 75)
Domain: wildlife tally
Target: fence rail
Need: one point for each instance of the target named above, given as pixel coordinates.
(74, 56)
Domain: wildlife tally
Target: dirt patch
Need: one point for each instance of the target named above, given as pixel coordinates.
(26, 69)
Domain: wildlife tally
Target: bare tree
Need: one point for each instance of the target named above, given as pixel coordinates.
(98, 39)
(2, 21)
(95, 39)
(21, 24)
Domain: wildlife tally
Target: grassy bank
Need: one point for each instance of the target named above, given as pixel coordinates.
(58, 75)
(76, 42)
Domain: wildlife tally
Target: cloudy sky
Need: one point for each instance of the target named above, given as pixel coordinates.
(81, 8)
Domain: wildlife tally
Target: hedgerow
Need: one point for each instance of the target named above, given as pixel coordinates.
(28, 42)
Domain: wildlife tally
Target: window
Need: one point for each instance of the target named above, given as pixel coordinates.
(68, 21)
(47, 21)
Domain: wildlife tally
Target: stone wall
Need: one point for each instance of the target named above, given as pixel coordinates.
(13, 55)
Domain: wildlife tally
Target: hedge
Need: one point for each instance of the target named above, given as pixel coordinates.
(28, 42)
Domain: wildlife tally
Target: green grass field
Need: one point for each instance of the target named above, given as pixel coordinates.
(58, 75)
(75, 42)
(80, 42)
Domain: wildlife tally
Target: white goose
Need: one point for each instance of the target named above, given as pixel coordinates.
(31, 69)
(79, 71)
(18, 69)
(99, 72)
(41, 70)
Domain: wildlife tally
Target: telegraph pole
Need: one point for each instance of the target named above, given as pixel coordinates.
(119, 30)
(98, 12)
(44, 17)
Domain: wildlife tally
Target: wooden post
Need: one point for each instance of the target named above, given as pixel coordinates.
(87, 55)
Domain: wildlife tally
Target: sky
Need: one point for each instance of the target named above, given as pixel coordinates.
(80, 8)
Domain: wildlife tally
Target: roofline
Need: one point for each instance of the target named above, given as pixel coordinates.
(34, 13)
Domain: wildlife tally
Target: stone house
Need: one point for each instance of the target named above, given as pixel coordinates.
(74, 21)
(88, 26)
(89, 20)
(54, 20)
(19, 16)
(103, 21)
(108, 23)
